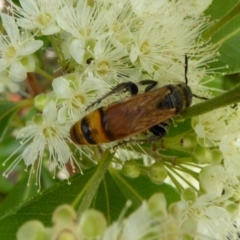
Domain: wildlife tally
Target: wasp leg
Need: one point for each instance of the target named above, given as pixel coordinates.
(159, 131)
(151, 83)
(150, 139)
(131, 87)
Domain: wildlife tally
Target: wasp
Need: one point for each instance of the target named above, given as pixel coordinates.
(150, 110)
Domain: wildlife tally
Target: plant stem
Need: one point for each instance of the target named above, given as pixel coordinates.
(95, 181)
(28, 102)
(222, 21)
(230, 97)
(44, 74)
(56, 46)
(60, 53)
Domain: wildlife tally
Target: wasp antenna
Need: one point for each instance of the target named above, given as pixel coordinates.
(186, 69)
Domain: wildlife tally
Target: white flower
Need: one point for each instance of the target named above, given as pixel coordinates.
(141, 217)
(6, 84)
(44, 133)
(38, 15)
(212, 126)
(120, 19)
(230, 148)
(164, 35)
(86, 25)
(213, 221)
(212, 179)
(147, 8)
(16, 49)
(149, 221)
(76, 93)
(67, 225)
(110, 63)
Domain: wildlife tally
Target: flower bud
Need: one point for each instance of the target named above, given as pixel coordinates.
(157, 172)
(211, 179)
(64, 214)
(157, 204)
(217, 157)
(201, 155)
(189, 195)
(188, 229)
(188, 142)
(92, 224)
(38, 119)
(65, 235)
(31, 230)
(177, 208)
(232, 208)
(131, 169)
(40, 101)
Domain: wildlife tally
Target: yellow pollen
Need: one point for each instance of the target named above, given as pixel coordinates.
(49, 132)
(103, 68)
(85, 32)
(10, 52)
(78, 101)
(44, 18)
(145, 47)
(117, 27)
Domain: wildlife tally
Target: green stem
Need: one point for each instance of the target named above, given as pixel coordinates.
(175, 139)
(186, 170)
(175, 182)
(61, 56)
(55, 46)
(28, 102)
(185, 180)
(230, 97)
(44, 74)
(223, 21)
(95, 181)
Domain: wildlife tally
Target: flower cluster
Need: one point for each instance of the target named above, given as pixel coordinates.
(187, 219)
(98, 45)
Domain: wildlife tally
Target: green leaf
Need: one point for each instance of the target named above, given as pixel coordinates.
(9, 146)
(42, 206)
(111, 197)
(181, 126)
(226, 33)
(218, 8)
(116, 189)
(7, 110)
(5, 185)
(142, 188)
(19, 193)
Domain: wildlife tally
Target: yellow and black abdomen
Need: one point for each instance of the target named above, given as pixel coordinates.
(90, 130)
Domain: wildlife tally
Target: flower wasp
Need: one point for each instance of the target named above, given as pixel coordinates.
(140, 112)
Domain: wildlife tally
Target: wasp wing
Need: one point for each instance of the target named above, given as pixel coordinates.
(136, 114)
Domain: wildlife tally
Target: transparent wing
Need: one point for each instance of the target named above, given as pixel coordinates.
(136, 114)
